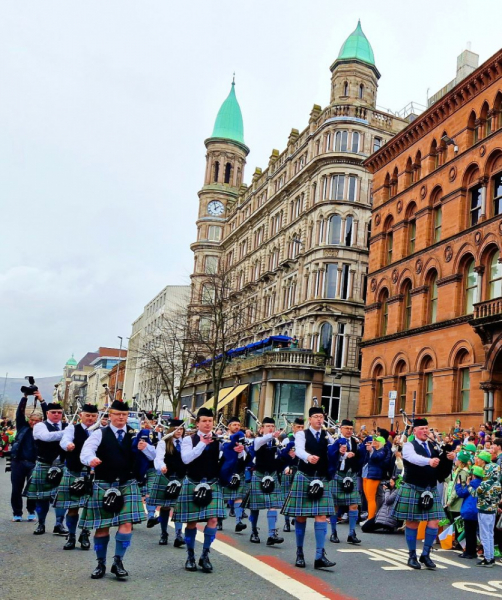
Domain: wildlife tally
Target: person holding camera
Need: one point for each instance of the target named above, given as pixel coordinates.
(373, 468)
(23, 457)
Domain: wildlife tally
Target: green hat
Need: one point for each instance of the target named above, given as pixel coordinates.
(411, 438)
(478, 472)
(485, 456)
(464, 456)
(470, 448)
(380, 440)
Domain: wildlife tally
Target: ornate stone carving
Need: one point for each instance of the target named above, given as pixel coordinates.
(378, 218)
(419, 266)
(448, 253)
(399, 206)
(482, 150)
(452, 174)
(423, 191)
(373, 284)
(395, 276)
(477, 238)
(330, 253)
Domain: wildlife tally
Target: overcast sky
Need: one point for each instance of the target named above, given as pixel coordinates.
(104, 108)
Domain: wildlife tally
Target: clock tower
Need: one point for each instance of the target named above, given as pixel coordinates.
(225, 161)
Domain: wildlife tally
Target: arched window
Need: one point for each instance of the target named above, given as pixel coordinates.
(228, 170)
(412, 227)
(401, 384)
(406, 291)
(346, 88)
(326, 339)
(389, 243)
(495, 277)
(408, 173)
(438, 221)
(377, 375)
(470, 287)
(483, 120)
(384, 312)
(472, 128)
(335, 226)
(341, 141)
(433, 297)
(361, 91)
(427, 384)
(348, 231)
(216, 171)
(417, 168)
(433, 156)
(393, 182)
(355, 141)
(474, 205)
(464, 382)
(497, 194)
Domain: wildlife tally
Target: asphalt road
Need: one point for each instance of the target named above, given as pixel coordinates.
(38, 567)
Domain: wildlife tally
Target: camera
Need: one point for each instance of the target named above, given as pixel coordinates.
(29, 390)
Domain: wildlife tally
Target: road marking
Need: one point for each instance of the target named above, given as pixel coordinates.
(396, 566)
(403, 555)
(489, 589)
(398, 558)
(279, 578)
(435, 558)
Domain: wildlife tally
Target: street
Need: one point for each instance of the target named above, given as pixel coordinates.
(37, 567)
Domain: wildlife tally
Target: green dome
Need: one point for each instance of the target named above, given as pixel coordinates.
(356, 46)
(71, 362)
(228, 123)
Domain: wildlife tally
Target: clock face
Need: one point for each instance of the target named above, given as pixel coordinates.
(215, 208)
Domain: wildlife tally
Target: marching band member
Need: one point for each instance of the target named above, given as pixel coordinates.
(73, 439)
(171, 470)
(418, 499)
(116, 498)
(201, 498)
(144, 445)
(265, 491)
(343, 466)
(233, 465)
(310, 495)
(42, 487)
(288, 457)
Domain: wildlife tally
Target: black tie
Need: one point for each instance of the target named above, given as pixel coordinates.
(318, 435)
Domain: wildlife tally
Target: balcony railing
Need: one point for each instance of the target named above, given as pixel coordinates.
(489, 308)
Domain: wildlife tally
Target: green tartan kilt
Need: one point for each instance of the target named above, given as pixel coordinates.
(157, 491)
(151, 474)
(186, 511)
(260, 501)
(298, 504)
(406, 506)
(237, 494)
(286, 481)
(94, 516)
(38, 488)
(342, 498)
(63, 497)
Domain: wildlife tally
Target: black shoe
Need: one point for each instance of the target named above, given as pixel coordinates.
(232, 512)
(100, 570)
(190, 564)
(486, 563)
(179, 541)
(83, 540)
(425, 559)
(412, 560)
(292, 522)
(334, 538)
(118, 568)
(465, 555)
(323, 562)
(352, 539)
(40, 530)
(152, 521)
(274, 539)
(240, 527)
(255, 538)
(204, 562)
(287, 527)
(300, 558)
(60, 530)
(70, 544)
(163, 539)
(219, 527)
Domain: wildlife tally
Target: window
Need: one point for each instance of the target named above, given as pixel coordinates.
(256, 273)
(433, 298)
(324, 188)
(216, 170)
(377, 144)
(325, 339)
(352, 188)
(465, 389)
(331, 280)
(345, 282)
(438, 219)
(361, 91)
(211, 264)
(355, 141)
(390, 246)
(337, 187)
(346, 89)
(330, 399)
(495, 282)
(214, 233)
(341, 139)
(379, 396)
(348, 231)
(428, 390)
(339, 346)
(228, 169)
(471, 287)
(204, 327)
(412, 234)
(289, 398)
(384, 312)
(402, 391)
(475, 204)
(497, 195)
(208, 294)
(328, 142)
(335, 225)
(407, 306)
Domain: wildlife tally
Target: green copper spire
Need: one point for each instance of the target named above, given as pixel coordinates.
(71, 362)
(356, 46)
(228, 123)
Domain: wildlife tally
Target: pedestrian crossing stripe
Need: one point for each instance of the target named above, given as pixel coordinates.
(397, 559)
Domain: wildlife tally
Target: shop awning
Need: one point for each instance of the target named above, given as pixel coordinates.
(225, 396)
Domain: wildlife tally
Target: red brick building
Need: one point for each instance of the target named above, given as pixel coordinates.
(433, 323)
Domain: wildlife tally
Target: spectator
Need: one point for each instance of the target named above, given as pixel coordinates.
(469, 512)
(384, 518)
(372, 473)
(488, 494)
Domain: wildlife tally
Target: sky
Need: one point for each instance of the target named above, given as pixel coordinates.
(104, 108)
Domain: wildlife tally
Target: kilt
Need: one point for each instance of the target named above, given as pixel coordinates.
(186, 511)
(38, 488)
(157, 491)
(286, 481)
(237, 494)
(298, 504)
(63, 497)
(151, 474)
(260, 501)
(94, 516)
(342, 498)
(406, 505)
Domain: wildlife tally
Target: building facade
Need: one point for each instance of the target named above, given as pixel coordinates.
(295, 242)
(433, 327)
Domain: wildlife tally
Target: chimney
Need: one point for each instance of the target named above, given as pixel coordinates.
(467, 62)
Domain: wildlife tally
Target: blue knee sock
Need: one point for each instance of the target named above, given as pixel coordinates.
(209, 535)
(151, 510)
(42, 510)
(71, 523)
(333, 522)
(238, 512)
(100, 546)
(272, 522)
(352, 521)
(411, 538)
(231, 504)
(60, 513)
(122, 542)
(164, 520)
(300, 529)
(430, 538)
(178, 527)
(253, 518)
(190, 537)
(320, 529)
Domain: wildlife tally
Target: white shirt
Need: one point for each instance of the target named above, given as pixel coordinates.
(92, 443)
(411, 456)
(188, 452)
(69, 436)
(40, 432)
(161, 453)
(261, 441)
(300, 443)
(149, 451)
